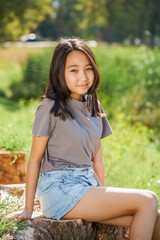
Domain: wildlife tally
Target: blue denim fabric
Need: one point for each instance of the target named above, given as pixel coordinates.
(59, 191)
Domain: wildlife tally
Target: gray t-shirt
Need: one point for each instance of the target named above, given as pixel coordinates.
(73, 142)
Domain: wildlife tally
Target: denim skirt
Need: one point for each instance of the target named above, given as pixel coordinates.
(60, 190)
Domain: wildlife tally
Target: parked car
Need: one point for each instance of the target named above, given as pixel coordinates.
(31, 37)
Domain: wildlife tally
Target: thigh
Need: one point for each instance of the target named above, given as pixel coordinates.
(102, 204)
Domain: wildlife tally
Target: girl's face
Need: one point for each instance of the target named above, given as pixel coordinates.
(79, 74)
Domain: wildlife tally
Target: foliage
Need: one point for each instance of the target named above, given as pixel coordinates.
(106, 20)
(93, 16)
(8, 205)
(16, 124)
(133, 18)
(20, 17)
(102, 20)
(7, 76)
(131, 159)
(35, 77)
(64, 20)
(130, 81)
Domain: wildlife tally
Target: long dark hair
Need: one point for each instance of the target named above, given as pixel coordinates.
(57, 88)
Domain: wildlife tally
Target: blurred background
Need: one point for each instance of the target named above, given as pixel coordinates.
(125, 38)
(130, 22)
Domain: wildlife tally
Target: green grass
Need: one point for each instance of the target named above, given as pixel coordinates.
(9, 227)
(131, 159)
(16, 125)
(12, 61)
(8, 74)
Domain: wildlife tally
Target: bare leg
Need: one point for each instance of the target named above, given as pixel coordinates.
(101, 204)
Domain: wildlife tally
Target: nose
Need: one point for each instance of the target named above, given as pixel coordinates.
(83, 75)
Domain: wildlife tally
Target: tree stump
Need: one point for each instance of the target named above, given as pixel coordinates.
(12, 167)
(76, 229)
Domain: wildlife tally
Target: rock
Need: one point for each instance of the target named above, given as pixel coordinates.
(12, 167)
(26, 234)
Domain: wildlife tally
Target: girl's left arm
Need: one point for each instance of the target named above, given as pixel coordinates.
(98, 165)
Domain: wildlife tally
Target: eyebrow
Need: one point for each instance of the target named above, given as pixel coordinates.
(78, 65)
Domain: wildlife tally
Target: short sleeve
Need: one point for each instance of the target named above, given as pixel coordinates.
(106, 129)
(44, 122)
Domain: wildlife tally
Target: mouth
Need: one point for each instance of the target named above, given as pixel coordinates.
(83, 86)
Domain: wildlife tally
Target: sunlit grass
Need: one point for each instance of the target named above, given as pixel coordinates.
(16, 125)
(12, 61)
(131, 159)
(9, 227)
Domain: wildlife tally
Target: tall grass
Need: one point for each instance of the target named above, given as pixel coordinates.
(131, 159)
(16, 125)
(9, 227)
(131, 82)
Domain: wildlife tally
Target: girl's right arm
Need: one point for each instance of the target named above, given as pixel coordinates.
(37, 151)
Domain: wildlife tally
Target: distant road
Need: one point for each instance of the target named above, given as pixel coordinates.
(38, 44)
(41, 44)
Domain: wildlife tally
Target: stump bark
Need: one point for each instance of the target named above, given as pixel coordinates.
(76, 229)
(12, 167)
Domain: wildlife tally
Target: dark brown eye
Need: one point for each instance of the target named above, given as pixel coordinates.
(73, 70)
(89, 69)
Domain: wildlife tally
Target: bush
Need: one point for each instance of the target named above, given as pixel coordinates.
(35, 77)
(130, 81)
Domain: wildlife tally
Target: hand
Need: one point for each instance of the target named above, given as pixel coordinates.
(19, 215)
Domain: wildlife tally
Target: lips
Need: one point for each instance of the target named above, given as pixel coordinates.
(83, 86)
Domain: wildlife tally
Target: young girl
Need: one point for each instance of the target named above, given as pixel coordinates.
(66, 149)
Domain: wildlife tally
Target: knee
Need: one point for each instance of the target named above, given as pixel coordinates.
(151, 201)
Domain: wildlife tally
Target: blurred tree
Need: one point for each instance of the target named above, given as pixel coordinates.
(63, 21)
(130, 19)
(94, 15)
(19, 17)
(153, 19)
(125, 16)
(107, 20)
(75, 17)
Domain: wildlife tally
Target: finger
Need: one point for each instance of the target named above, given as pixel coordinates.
(10, 216)
(23, 216)
(20, 217)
